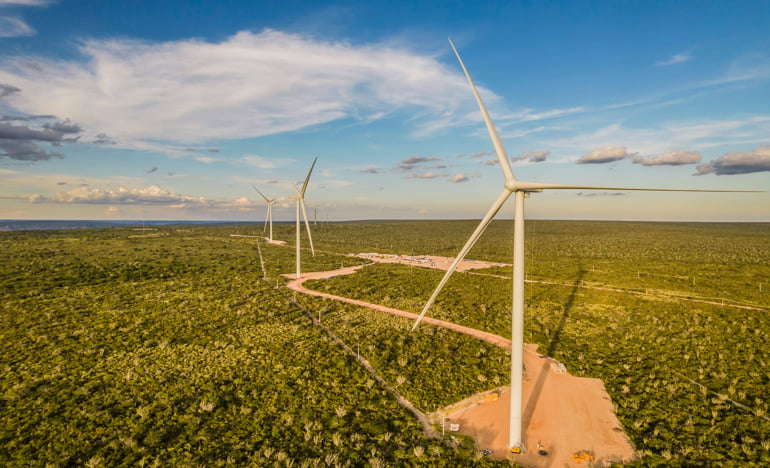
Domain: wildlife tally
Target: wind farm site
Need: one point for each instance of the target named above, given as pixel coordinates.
(428, 343)
(183, 345)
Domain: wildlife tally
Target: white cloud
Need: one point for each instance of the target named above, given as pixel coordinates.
(151, 195)
(670, 158)
(529, 115)
(532, 156)
(519, 133)
(264, 163)
(243, 202)
(25, 182)
(147, 195)
(26, 2)
(11, 26)
(748, 162)
(695, 134)
(248, 85)
(605, 155)
(425, 175)
(677, 58)
(411, 162)
(480, 154)
(206, 159)
(457, 178)
(746, 68)
(370, 170)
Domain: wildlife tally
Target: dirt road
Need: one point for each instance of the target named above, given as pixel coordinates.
(563, 413)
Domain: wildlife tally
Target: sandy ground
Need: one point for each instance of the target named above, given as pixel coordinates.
(267, 240)
(428, 261)
(563, 413)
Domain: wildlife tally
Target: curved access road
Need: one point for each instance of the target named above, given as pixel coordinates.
(296, 285)
(562, 413)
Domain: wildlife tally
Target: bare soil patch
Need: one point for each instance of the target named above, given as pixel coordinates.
(428, 261)
(562, 413)
(267, 240)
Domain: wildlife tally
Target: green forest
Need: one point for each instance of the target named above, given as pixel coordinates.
(180, 345)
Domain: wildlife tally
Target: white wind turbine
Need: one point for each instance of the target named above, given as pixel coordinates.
(301, 205)
(520, 190)
(269, 217)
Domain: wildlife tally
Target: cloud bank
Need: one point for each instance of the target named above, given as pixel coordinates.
(23, 141)
(248, 85)
(605, 155)
(531, 156)
(426, 175)
(671, 158)
(757, 160)
(149, 196)
(152, 195)
(411, 162)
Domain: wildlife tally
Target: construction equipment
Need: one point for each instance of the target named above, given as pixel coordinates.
(583, 456)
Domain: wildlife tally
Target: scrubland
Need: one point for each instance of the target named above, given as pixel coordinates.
(175, 347)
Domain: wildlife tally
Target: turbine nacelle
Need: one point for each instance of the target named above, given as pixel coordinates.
(269, 217)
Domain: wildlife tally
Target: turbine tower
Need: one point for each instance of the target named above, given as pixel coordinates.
(520, 190)
(269, 217)
(301, 205)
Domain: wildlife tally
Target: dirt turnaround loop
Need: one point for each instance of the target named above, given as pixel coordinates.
(571, 418)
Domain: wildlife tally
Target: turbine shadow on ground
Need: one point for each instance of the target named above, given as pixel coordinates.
(538, 388)
(565, 315)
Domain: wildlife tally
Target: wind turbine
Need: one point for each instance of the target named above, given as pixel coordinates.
(269, 217)
(520, 190)
(301, 204)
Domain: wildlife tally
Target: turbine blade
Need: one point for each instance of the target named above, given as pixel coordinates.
(307, 226)
(464, 251)
(263, 195)
(537, 186)
(502, 157)
(307, 179)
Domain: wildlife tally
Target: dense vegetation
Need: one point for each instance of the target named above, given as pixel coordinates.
(166, 347)
(172, 346)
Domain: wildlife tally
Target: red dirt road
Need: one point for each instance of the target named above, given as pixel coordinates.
(296, 285)
(564, 413)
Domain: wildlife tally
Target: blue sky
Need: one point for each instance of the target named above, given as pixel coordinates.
(172, 110)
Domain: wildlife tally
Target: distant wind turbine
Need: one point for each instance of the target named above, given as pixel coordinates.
(520, 189)
(269, 217)
(301, 205)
